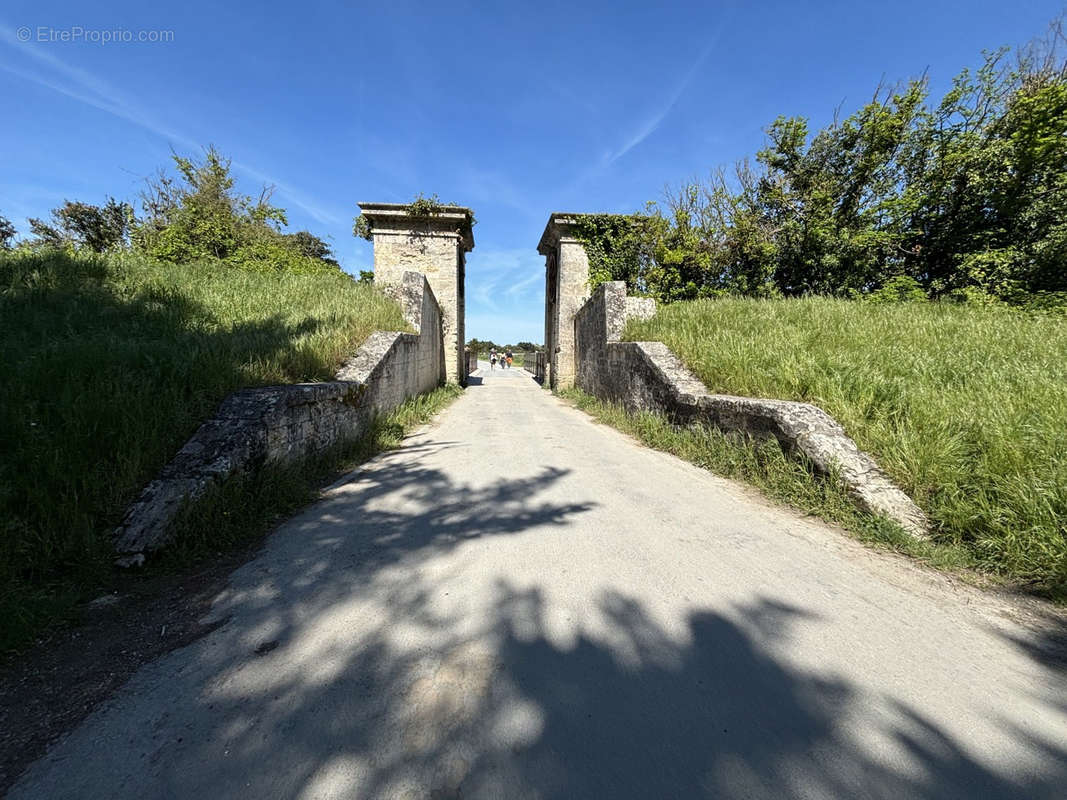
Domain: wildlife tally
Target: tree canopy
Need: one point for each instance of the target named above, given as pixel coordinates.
(485, 345)
(194, 216)
(965, 196)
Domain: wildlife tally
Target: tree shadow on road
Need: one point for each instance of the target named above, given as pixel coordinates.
(1045, 642)
(634, 712)
(346, 671)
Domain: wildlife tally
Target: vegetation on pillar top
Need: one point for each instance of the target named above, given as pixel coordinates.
(422, 207)
(361, 228)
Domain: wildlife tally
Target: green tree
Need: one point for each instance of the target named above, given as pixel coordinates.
(965, 197)
(312, 246)
(7, 233)
(198, 215)
(98, 228)
(987, 182)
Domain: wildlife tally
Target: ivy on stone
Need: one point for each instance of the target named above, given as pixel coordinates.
(422, 206)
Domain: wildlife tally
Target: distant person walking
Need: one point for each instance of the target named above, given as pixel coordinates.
(492, 360)
(508, 356)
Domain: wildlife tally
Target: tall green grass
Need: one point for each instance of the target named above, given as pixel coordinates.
(966, 408)
(109, 363)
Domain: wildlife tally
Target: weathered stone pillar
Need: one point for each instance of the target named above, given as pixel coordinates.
(436, 245)
(566, 290)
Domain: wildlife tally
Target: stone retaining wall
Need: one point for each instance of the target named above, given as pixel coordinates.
(275, 423)
(647, 376)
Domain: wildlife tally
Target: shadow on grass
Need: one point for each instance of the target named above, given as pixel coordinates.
(100, 384)
(358, 662)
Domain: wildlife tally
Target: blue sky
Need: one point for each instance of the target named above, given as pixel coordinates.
(515, 109)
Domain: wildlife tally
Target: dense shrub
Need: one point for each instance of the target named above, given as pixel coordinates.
(899, 289)
(77, 224)
(199, 216)
(189, 219)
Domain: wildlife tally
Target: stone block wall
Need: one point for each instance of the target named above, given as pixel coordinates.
(436, 245)
(254, 427)
(566, 289)
(572, 292)
(647, 376)
(434, 255)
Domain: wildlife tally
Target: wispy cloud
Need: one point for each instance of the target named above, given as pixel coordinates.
(23, 200)
(78, 84)
(298, 198)
(482, 294)
(526, 285)
(651, 123)
(481, 186)
(497, 278)
(81, 85)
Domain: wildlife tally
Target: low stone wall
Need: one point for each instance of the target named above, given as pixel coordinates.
(648, 376)
(276, 423)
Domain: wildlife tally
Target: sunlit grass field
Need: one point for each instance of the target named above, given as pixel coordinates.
(965, 407)
(108, 364)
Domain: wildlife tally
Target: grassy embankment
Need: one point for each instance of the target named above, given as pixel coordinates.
(966, 408)
(108, 364)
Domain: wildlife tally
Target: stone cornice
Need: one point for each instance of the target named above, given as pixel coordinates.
(424, 232)
(559, 228)
(397, 218)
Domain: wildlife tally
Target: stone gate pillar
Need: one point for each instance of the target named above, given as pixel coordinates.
(566, 290)
(436, 245)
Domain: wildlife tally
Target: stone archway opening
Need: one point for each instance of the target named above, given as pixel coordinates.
(436, 244)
